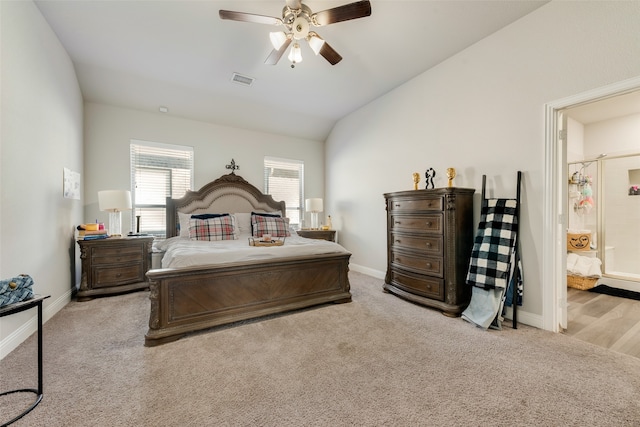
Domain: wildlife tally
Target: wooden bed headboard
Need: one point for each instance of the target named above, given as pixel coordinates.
(228, 194)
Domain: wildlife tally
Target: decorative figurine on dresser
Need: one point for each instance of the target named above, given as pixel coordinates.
(114, 265)
(429, 243)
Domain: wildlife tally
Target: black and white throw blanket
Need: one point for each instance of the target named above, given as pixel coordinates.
(494, 244)
(492, 262)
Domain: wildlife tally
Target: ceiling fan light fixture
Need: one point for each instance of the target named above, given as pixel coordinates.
(295, 54)
(315, 42)
(277, 39)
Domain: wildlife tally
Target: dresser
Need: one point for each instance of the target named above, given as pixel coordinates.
(429, 243)
(113, 266)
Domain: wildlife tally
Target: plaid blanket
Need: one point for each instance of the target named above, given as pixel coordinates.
(494, 246)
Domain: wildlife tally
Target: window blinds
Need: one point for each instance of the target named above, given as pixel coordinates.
(284, 180)
(158, 171)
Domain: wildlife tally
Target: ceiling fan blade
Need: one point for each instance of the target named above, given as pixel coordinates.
(356, 10)
(294, 4)
(249, 17)
(276, 54)
(330, 54)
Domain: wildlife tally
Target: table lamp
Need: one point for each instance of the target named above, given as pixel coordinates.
(114, 202)
(314, 206)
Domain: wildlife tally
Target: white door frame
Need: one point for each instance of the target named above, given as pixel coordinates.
(554, 220)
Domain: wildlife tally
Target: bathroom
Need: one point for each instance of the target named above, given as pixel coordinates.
(603, 156)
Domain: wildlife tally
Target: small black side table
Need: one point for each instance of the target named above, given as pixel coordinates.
(36, 301)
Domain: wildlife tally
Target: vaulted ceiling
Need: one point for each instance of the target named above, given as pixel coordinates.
(181, 55)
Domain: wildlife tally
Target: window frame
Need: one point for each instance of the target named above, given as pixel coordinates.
(270, 163)
(179, 153)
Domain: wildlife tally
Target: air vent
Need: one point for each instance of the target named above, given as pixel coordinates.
(242, 80)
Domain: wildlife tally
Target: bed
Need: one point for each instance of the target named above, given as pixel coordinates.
(189, 296)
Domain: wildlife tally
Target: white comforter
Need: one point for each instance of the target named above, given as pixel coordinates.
(181, 252)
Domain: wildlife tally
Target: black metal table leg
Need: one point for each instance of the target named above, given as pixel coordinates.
(16, 308)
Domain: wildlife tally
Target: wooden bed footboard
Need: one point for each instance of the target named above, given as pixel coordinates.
(192, 299)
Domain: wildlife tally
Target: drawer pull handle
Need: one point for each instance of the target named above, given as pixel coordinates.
(428, 244)
(398, 222)
(118, 275)
(428, 265)
(429, 287)
(397, 205)
(398, 241)
(428, 223)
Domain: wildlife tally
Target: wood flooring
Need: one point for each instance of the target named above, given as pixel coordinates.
(604, 320)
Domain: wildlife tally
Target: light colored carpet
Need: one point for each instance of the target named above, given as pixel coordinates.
(378, 361)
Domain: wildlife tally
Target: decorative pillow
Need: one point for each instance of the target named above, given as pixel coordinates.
(183, 220)
(265, 214)
(208, 215)
(269, 214)
(274, 225)
(215, 228)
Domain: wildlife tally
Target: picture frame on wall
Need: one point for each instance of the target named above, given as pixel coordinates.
(71, 185)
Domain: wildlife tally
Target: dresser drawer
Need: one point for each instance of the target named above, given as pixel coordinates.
(425, 265)
(431, 245)
(421, 285)
(427, 204)
(110, 276)
(412, 223)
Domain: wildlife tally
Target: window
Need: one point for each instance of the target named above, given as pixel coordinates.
(284, 180)
(158, 171)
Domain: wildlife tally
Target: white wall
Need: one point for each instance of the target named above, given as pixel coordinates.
(619, 136)
(481, 112)
(41, 134)
(109, 130)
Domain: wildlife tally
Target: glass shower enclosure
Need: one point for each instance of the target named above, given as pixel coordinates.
(604, 198)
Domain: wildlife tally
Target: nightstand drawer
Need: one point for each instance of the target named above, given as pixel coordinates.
(424, 223)
(431, 245)
(110, 276)
(115, 251)
(425, 265)
(420, 285)
(426, 204)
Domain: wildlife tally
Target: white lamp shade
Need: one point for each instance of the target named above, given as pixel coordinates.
(313, 205)
(114, 200)
(316, 43)
(277, 39)
(295, 54)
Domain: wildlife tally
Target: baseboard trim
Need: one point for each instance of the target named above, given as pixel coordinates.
(524, 317)
(366, 270)
(23, 332)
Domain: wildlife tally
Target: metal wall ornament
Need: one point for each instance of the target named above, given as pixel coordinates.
(429, 175)
(233, 167)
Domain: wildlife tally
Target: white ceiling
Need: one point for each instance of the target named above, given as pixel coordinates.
(180, 54)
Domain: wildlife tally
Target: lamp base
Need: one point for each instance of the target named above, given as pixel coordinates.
(314, 220)
(115, 223)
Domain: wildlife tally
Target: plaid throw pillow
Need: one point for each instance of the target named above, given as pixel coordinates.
(276, 226)
(218, 228)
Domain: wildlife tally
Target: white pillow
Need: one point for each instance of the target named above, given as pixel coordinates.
(184, 223)
(243, 222)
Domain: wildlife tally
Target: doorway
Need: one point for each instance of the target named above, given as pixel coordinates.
(611, 98)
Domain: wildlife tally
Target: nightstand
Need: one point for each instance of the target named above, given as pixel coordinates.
(114, 265)
(329, 235)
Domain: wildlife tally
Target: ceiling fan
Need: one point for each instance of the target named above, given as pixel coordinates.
(297, 20)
